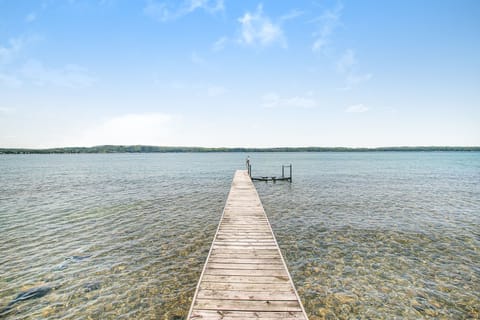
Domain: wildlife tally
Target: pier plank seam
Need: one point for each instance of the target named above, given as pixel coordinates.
(245, 275)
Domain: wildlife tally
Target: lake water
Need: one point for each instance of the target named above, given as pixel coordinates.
(123, 236)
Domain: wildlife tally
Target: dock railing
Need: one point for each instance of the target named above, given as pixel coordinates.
(283, 171)
(271, 178)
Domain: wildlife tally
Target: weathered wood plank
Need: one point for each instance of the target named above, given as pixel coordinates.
(246, 295)
(236, 315)
(236, 259)
(245, 266)
(257, 247)
(245, 276)
(245, 279)
(246, 286)
(243, 272)
(242, 305)
(245, 242)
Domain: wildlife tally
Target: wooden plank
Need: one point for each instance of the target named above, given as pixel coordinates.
(227, 258)
(242, 305)
(245, 286)
(235, 259)
(245, 266)
(245, 279)
(245, 276)
(237, 315)
(232, 247)
(244, 239)
(253, 251)
(246, 295)
(244, 272)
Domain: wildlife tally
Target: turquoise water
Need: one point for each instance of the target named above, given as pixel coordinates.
(121, 236)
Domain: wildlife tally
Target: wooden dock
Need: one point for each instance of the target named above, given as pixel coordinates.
(245, 276)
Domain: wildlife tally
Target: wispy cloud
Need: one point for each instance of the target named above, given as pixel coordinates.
(291, 15)
(211, 90)
(258, 29)
(358, 108)
(346, 65)
(346, 61)
(220, 44)
(195, 58)
(5, 111)
(10, 80)
(131, 129)
(70, 76)
(355, 79)
(273, 100)
(216, 91)
(32, 16)
(165, 11)
(327, 23)
(15, 70)
(9, 52)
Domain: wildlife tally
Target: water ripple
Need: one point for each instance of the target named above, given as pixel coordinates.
(125, 236)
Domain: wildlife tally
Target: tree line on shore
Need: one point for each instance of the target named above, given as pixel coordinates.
(158, 149)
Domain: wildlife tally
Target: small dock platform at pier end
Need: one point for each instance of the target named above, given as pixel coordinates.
(245, 275)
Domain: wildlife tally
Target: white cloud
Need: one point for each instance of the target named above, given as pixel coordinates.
(220, 44)
(215, 91)
(15, 45)
(346, 61)
(273, 100)
(10, 80)
(211, 6)
(70, 76)
(131, 129)
(328, 22)
(346, 65)
(107, 2)
(258, 29)
(164, 11)
(32, 16)
(4, 110)
(291, 15)
(196, 59)
(358, 108)
(354, 79)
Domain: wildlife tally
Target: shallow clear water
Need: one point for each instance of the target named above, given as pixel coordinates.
(121, 236)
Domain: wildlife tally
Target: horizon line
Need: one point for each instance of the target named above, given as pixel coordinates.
(164, 149)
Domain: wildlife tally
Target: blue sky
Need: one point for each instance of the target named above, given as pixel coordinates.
(239, 73)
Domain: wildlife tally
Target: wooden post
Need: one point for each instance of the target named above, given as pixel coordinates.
(290, 172)
(283, 171)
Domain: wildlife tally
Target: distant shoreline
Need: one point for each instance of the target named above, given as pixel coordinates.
(156, 149)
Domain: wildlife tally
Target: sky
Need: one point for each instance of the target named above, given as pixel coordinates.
(221, 73)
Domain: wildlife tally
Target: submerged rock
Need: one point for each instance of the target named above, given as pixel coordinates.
(72, 259)
(91, 286)
(77, 258)
(345, 298)
(61, 266)
(25, 295)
